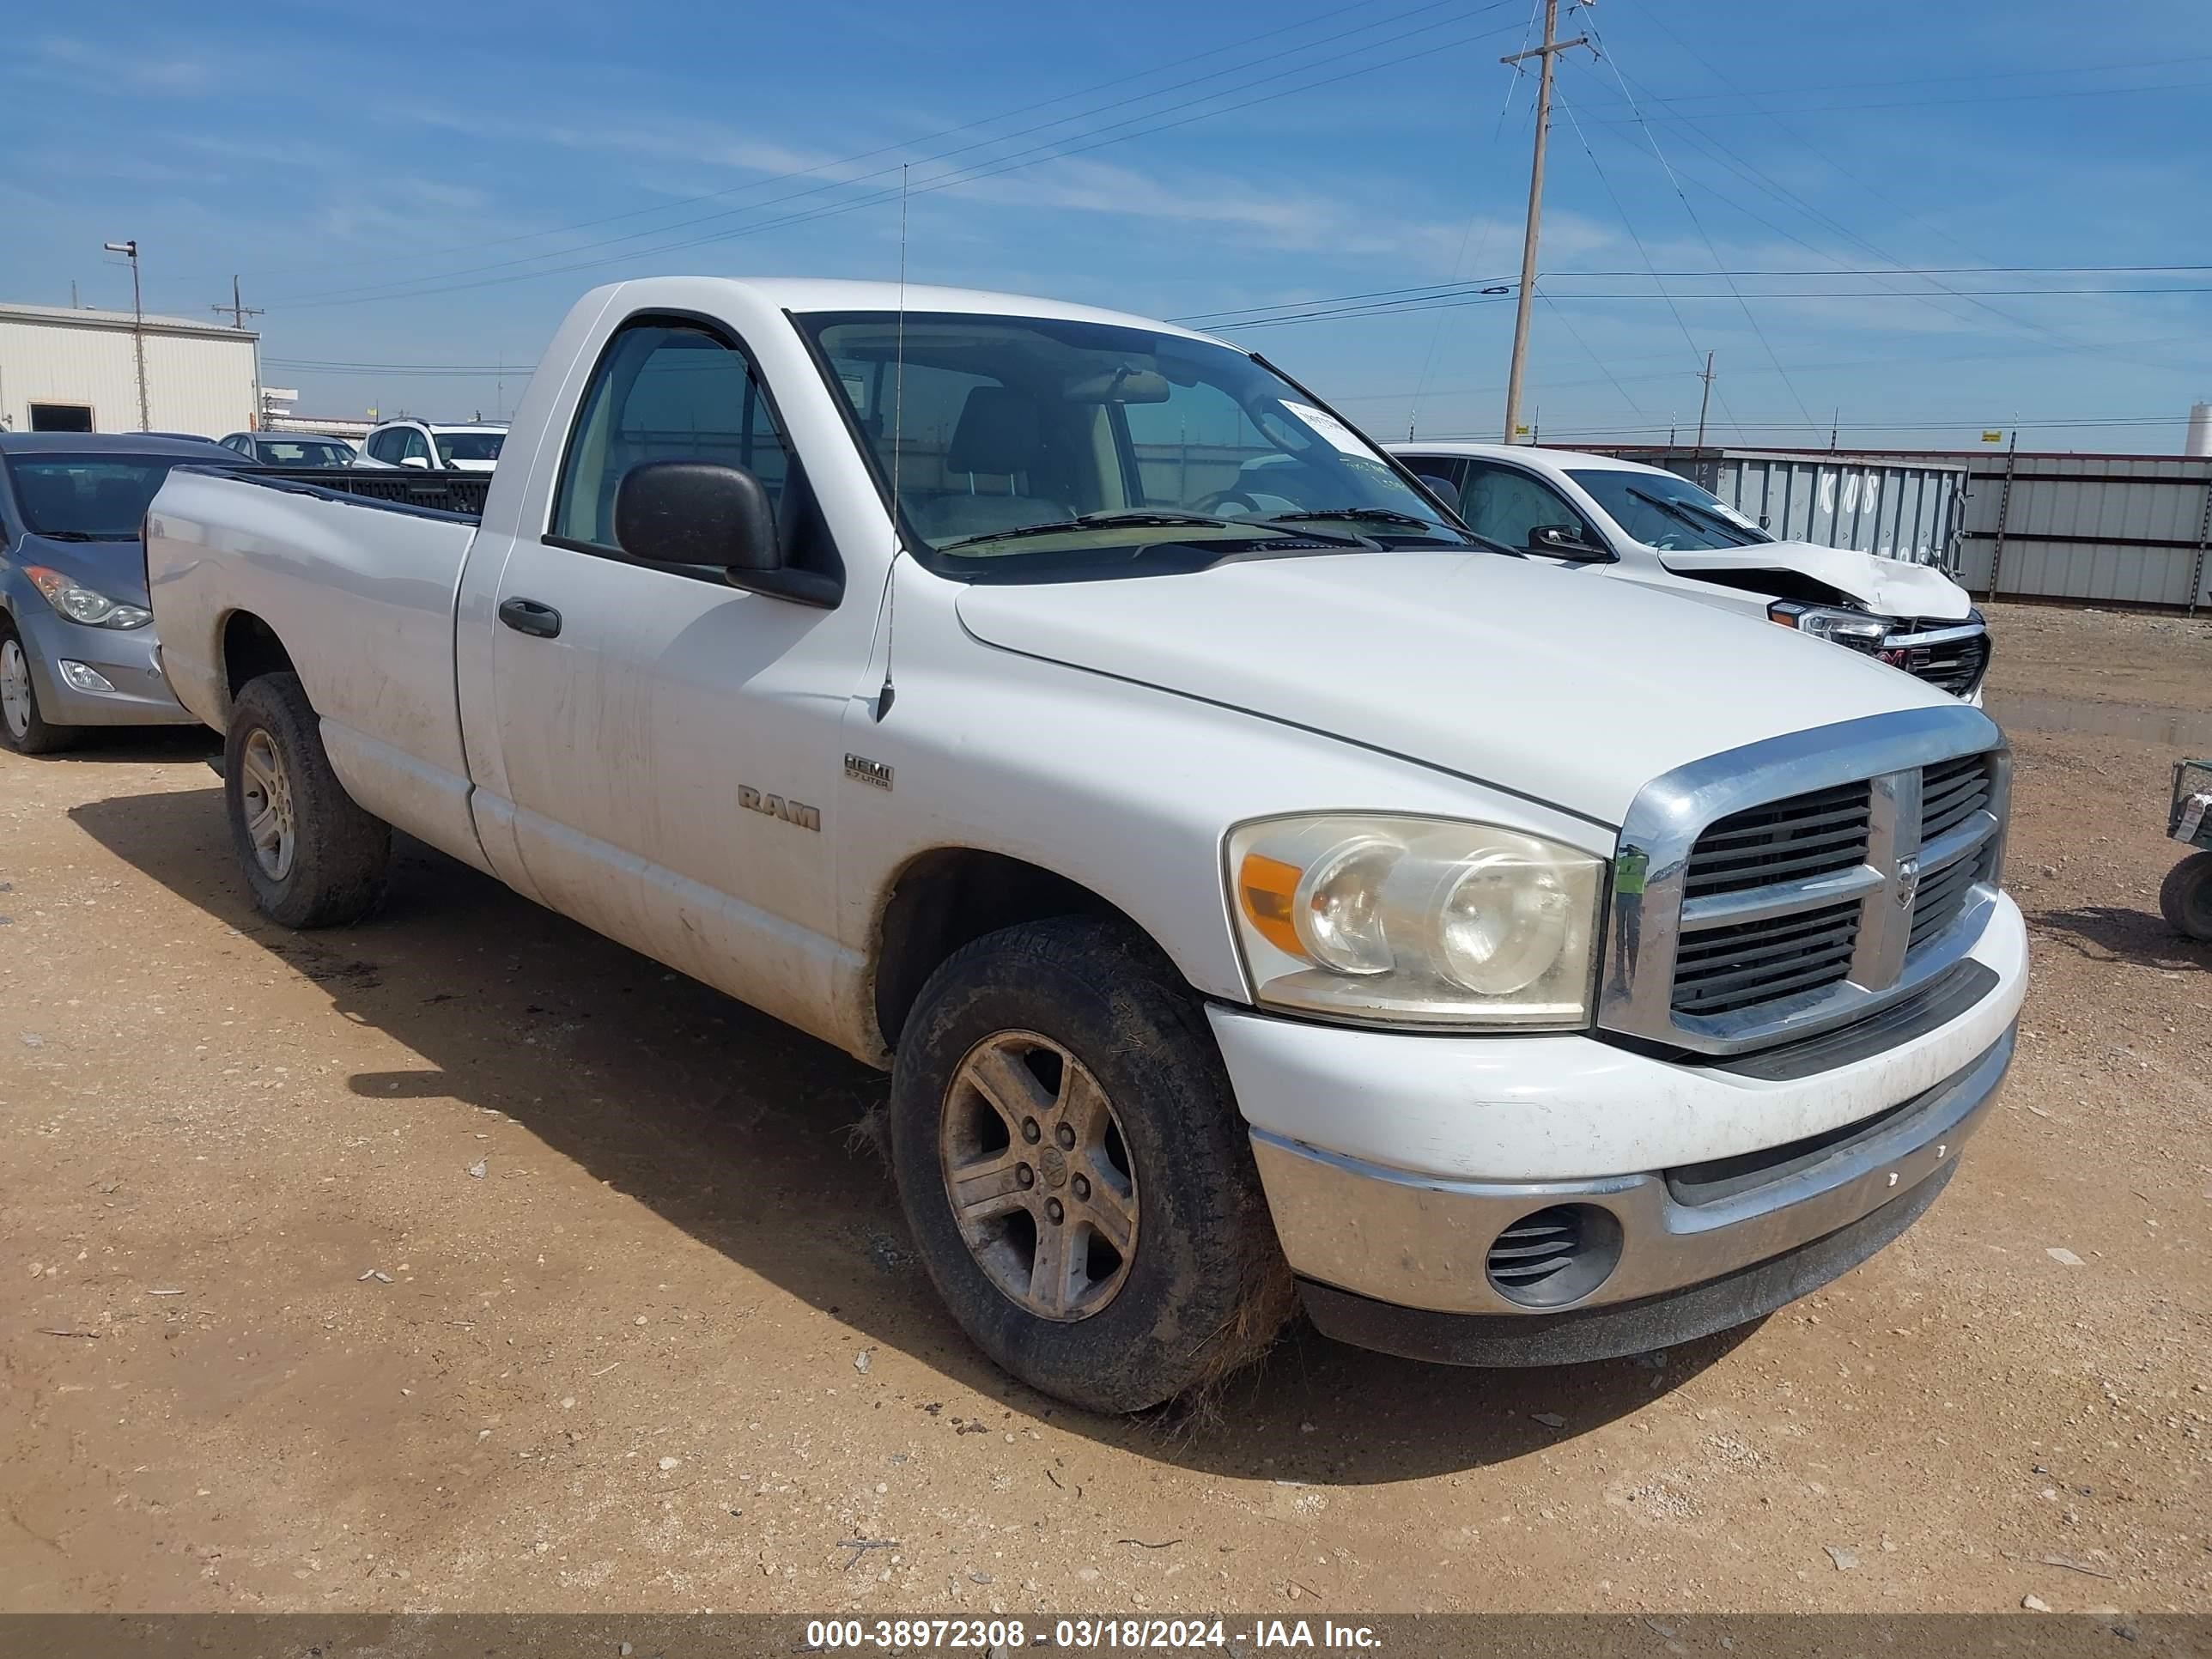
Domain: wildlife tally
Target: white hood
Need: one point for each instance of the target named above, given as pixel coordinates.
(1536, 679)
(1887, 588)
(471, 466)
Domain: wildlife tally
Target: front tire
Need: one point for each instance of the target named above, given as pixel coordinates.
(1077, 1176)
(23, 729)
(312, 856)
(2186, 897)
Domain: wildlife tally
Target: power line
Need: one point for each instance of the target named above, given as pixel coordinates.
(989, 166)
(1740, 167)
(1475, 213)
(1972, 76)
(1729, 296)
(1179, 62)
(1966, 422)
(1911, 103)
(1642, 251)
(1434, 290)
(1712, 253)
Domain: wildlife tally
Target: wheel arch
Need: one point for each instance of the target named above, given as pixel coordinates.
(948, 896)
(247, 648)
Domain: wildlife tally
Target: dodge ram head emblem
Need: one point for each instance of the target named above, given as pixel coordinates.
(1908, 882)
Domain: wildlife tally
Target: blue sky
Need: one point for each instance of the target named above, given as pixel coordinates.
(433, 193)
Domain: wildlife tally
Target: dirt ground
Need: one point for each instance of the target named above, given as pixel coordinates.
(465, 1261)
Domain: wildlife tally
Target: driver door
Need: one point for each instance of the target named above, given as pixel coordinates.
(671, 743)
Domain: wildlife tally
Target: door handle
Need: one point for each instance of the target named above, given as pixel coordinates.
(528, 616)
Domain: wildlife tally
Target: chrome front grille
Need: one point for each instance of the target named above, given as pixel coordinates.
(1806, 835)
(1722, 970)
(1951, 791)
(1799, 884)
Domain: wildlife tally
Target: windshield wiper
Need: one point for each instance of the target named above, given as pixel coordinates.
(1381, 514)
(1684, 513)
(81, 535)
(1135, 518)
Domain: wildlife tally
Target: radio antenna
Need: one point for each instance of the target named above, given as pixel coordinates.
(898, 446)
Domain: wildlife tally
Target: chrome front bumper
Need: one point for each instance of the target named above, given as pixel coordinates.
(1422, 1242)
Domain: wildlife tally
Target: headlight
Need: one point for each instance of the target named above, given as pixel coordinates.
(1416, 921)
(82, 605)
(1852, 628)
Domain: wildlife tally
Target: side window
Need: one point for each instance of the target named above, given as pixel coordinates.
(1450, 469)
(384, 445)
(663, 391)
(413, 445)
(1510, 506)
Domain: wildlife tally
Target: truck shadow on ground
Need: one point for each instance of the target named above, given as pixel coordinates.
(123, 745)
(751, 1137)
(2105, 933)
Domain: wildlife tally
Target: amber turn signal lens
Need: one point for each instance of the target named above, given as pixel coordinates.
(1265, 888)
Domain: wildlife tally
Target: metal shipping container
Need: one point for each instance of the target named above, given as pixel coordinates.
(1897, 506)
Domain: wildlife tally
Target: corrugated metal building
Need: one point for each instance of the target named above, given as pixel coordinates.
(2043, 524)
(64, 369)
(2119, 529)
(1898, 506)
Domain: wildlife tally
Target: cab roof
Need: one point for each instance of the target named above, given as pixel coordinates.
(805, 294)
(1527, 454)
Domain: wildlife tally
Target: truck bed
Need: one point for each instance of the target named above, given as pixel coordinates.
(356, 575)
(447, 494)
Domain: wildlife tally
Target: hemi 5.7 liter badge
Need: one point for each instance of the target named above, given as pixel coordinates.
(861, 769)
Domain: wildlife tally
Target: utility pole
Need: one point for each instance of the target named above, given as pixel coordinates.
(1835, 425)
(130, 251)
(239, 311)
(1551, 47)
(1705, 400)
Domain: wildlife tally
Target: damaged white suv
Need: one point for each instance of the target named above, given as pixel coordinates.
(1645, 524)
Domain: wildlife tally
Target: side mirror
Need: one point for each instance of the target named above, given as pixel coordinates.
(1443, 488)
(415, 460)
(1564, 539)
(697, 513)
(1766, 523)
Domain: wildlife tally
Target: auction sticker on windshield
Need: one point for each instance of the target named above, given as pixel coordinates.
(1330, 428)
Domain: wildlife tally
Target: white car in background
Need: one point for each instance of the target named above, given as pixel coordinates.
(1645, 524)
(435, 446)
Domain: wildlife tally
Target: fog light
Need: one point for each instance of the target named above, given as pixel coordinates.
(1551, 1257)
(79, 678)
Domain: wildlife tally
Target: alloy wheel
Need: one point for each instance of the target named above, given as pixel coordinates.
(1039, 1176)
(266, 789)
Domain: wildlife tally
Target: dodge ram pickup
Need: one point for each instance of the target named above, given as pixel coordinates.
(1253, 901)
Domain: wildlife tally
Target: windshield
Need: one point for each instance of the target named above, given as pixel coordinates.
(87, 497)
(303, 452)
(1005, 434)
(469, 445)
(1667, 513)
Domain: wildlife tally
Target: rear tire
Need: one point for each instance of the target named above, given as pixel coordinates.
(1113, 1248)
(2186, 897)
(23, 729)
(312, 856)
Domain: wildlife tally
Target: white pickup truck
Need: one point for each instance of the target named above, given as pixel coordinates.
(1249, 906)
(1642, 523)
